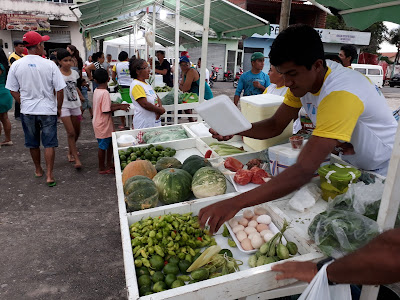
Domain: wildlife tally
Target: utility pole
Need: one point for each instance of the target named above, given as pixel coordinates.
(285, 14)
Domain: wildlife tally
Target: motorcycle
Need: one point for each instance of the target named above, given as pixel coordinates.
(228, 76)
(237, 76)
(213, 76)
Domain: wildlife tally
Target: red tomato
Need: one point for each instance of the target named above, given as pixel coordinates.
(243, 177)
(233, 164)
(258, 175)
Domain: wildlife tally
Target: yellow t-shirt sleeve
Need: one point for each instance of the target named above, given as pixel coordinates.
(291, 100)
(114, 68)
(138, 92)
(337, 115)
(265, 91)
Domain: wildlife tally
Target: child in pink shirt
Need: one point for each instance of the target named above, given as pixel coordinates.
(102, 122)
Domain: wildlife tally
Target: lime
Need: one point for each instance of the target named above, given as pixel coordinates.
(142, 271)
(156, 262)
(173, 152)
(183, 266)
(130, 150)
(173, 260)
(150, 146)
(128, 161)
(159, 148)
(157, 276)
(122, 157)
(158, 158)
(169, 279)
(168, 149)
(144, 290)
(121, 152)
(148, 155)
(163, 153)
(171, 268)
(123, 165)
(152, 149)
(177, 283)
(153, 162)
(156, 153)
(144, 280)
(159, 286)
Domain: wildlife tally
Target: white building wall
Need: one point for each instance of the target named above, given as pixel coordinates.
(5, 36)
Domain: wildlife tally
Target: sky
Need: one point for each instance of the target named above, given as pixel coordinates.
(385, 46)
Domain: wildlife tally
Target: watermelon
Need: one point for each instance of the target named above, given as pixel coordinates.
(207, 182)
(168, 162)
(173, 185)
(193, 163)
(140, 193)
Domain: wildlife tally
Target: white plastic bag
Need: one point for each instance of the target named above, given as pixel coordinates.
(305, 197)
(319, 289)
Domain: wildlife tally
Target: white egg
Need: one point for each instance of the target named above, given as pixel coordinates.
(251, 235)
(268, 236)
(248, 214)
(241, 235)
(249, 230)
(257, 241)
(264, 219)
(237, 228)
(264, 232)
(244, 222)
(252, 224)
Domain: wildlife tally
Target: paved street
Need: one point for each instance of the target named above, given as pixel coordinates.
(64, 242)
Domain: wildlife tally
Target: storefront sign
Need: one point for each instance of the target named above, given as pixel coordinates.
(24, 22)
(330, 36)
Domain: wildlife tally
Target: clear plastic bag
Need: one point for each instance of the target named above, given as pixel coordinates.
(339, 232)
(319, 288)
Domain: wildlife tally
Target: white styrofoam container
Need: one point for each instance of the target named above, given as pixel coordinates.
(283, 156)
(134, 132)
(260, 107)
(223, 116)
(247, 282)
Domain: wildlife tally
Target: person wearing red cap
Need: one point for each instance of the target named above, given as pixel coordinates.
(32, 81)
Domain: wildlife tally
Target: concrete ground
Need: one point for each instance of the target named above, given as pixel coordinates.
(64, 242)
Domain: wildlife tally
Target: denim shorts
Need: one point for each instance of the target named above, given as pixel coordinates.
(104, 143)
(86, 104)
(38, 127)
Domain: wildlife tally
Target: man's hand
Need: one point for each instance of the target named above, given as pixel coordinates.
(219, 137)
(125, 107)
(258, 85)
(217, 214)
(303, 271)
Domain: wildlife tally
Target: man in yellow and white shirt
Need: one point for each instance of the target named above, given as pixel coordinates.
(348, 111)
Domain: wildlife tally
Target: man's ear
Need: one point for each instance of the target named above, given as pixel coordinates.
(319, 65)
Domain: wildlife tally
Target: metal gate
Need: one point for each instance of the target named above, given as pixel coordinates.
(215, 56)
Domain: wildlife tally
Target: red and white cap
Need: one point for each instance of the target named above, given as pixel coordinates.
(32, 38)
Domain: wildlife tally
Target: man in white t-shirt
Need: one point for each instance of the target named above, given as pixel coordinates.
(207, 71)
(32, 81)
(350, 114)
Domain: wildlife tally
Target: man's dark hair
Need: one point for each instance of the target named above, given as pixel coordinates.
(286, 47)
(199, 58)
(161, 52)
(18, 42)
(334, 57)
(109, 54)
(349, 50)
(31, 47)
(101, 76)
(122, 56)
(134, 65)
(62, 53)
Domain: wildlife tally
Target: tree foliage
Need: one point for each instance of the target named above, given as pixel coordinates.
(378, 32)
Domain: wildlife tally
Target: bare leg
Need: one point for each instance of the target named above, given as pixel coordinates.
(109, 156)
(7, 126)
(102, 158)
(35, 153)
(49, 155)
(77, 127)
(91, 112)
(69, 127)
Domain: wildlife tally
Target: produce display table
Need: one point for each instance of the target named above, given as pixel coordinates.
(248, 283)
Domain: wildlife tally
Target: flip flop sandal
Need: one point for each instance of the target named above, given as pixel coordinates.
(52, 183)
(38, 176)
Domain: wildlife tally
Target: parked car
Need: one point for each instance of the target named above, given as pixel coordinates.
(373, 72)
(395, 80)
